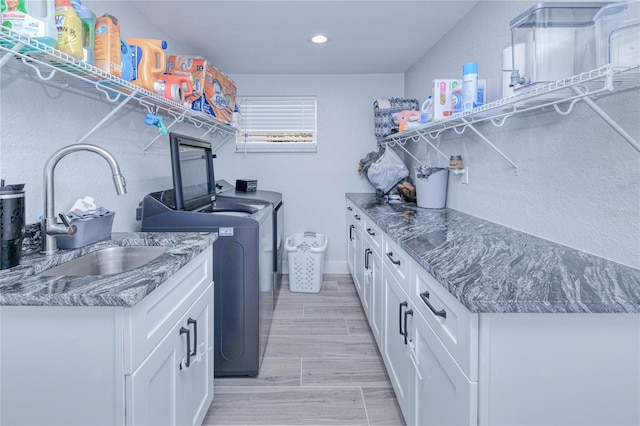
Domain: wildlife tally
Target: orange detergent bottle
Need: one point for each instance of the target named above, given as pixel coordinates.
(148, 59)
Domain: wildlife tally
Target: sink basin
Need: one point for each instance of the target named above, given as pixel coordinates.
(108, 261)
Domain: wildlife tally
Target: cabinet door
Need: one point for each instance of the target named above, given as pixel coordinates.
(367, 280)
(195, 383)
(376, 305)
(441, 394)
(358, 266)
(395, 352)
(351, 245)
(152, 388)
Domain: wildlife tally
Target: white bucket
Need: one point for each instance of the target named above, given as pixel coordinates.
(431, 191)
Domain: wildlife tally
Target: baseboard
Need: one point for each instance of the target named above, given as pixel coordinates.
(330, 267)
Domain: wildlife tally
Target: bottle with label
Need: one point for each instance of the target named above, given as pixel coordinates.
(469, 85)
(88, 19)
(33, 18)
(148, 59)
(69, 29)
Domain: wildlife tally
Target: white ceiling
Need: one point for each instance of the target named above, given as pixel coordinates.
(272, 37)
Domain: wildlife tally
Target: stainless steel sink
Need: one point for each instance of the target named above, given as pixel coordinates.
(108, 261)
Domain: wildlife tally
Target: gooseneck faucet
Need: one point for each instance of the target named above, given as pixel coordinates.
(51, 229)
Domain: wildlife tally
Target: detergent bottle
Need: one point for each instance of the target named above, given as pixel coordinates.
(148, 60)
(69, 29)
(127, 61)
(33, 18)
(88, 19)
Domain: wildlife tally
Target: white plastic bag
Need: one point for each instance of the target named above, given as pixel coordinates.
(387, 171)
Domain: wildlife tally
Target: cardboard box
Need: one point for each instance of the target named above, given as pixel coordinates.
(213, 91)
(447, 96)
(107, 45)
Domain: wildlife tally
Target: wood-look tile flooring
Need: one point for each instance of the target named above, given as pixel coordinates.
(321, 367)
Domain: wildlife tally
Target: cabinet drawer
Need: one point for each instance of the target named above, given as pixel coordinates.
(354, 215)
(373, 234)
(397, 261)
(451, 321)
(151, 319)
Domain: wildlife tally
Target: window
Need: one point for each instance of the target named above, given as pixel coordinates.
(277, 124)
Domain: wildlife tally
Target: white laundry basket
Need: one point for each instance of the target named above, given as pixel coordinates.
(306, 258)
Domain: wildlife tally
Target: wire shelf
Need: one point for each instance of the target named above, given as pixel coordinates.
(67, 72)
(592, 84)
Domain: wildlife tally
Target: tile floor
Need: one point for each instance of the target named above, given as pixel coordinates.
(321, 367)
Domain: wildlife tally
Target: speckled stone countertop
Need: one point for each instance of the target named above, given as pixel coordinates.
(490, 268)
(21, 285)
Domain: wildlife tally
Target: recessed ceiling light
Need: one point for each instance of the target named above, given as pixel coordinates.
(319, 39)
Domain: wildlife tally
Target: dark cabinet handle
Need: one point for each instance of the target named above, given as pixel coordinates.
(406, 333)
(351, 232)
(367, 252)
(195, 335)
(400, 317)
(370, 232)
(349, 208)
(356, 216)
(183, 331)
(390, 256)
(425, 298)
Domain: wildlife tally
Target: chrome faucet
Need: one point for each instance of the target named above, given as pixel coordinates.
(50, 227)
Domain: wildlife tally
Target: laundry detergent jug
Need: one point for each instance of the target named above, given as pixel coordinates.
(33, 18)
(148, 59)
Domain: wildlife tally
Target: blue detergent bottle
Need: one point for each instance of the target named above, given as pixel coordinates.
(127, 61)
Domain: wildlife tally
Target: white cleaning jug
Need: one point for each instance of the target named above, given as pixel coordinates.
(427, 107)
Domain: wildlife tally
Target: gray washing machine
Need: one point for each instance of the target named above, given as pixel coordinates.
(243, 255)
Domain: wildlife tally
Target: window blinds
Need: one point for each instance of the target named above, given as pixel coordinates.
(277, 123)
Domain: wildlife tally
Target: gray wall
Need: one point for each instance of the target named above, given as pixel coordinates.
(579, 181)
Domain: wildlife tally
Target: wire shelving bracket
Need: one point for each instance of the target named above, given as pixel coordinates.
(585, 87)
(52, 65)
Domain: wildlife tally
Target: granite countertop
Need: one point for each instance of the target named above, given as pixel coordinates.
(491, 268)
(21, 285)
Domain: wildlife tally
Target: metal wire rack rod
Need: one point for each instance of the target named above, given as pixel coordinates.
(488, 142)
(40, 76)
(99, 88)
(7, 57)
(410, 154)
(610, 121)
(108, 116)
(176, 120)
(434, 147)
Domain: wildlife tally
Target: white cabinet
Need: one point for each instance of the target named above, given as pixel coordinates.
(449, 366)
(397, 312)
(372, 287)
(440, 393)
(172, 385)
(355, 251)
(454, 325)
(122, 364)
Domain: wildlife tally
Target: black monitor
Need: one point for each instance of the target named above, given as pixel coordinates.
(192, 168)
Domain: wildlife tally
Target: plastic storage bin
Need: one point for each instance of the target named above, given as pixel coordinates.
(306, 259)
(618, 34)
(89, 231)
(558, 38)
(431, 190)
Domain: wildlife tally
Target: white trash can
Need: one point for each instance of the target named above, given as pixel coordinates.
(306, 258)
(431, 187)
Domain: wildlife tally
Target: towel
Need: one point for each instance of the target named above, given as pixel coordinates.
(382, 104)
(77, 215)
